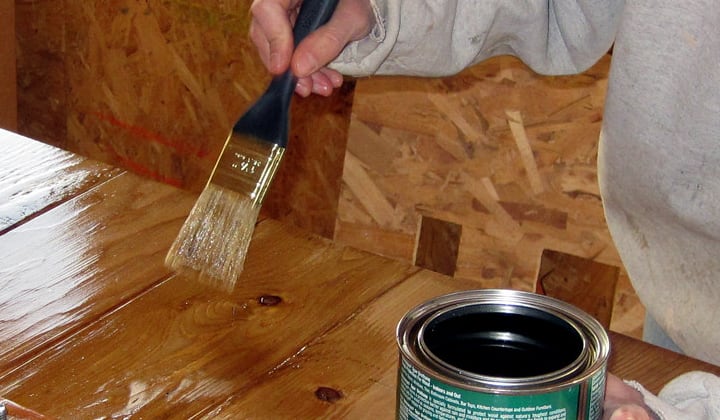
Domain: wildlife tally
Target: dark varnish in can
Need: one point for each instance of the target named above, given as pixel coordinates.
(500, 354)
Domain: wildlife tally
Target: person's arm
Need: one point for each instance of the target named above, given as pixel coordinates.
(435, 37)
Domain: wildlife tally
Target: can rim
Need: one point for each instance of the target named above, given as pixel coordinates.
(576, 364)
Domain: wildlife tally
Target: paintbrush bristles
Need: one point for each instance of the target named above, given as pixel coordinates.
(214, 240)
(216, 235)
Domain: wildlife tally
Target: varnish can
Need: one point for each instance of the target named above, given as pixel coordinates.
(500, 354)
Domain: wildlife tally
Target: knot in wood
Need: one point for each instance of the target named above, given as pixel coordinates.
(328, 394)
(269, 300)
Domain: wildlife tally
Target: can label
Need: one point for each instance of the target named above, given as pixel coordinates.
(500, 355)
(422, 397)
(595, 395)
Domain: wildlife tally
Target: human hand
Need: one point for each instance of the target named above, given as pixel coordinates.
(271, 32)
(623, 402)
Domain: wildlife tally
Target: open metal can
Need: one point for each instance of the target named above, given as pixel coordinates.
(500, 354)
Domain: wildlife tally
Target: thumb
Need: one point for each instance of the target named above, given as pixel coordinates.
(351, 21)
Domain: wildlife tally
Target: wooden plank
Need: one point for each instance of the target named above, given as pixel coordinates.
(628, 310)
(36, 177)
(355, 364)
(494, 260)
(17, 412)
(652, 366)
(183, 345)
(358, 359)
(83, 258)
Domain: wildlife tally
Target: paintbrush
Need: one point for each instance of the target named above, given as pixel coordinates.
(214, 239)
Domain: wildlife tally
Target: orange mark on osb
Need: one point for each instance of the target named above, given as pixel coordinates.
(144, 170)
(183, 147)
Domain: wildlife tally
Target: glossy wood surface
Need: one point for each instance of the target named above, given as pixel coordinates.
(35, 177)
(92, 325)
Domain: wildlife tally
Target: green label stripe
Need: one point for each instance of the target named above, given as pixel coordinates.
(421, 397)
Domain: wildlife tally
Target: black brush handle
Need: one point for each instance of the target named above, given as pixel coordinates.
(268, 118)
(313, 14)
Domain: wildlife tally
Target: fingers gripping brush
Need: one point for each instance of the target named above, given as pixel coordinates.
(214, 240)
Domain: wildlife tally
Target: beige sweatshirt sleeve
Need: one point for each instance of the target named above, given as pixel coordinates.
(441, 37)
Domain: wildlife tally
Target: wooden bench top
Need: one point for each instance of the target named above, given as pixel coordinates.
(93, 325)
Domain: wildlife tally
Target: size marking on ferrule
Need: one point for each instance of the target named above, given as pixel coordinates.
(246, 163)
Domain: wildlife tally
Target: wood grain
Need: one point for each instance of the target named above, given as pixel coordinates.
(366, 379)
(652, 366)
(94, 325)
(182, 346)
(85, 257)
(16, 411)
(35, 177)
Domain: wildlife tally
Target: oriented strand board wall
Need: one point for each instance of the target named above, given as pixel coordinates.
(155, 85)
(474, 175)
(41, 85)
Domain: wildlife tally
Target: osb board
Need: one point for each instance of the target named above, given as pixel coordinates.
(154, 86)
(306, 188)
(507, 154)
(41, 83)
(8, 95)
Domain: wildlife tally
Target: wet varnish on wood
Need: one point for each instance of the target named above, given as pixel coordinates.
(94, 326)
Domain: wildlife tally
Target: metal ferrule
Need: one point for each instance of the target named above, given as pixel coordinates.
(247, 166)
